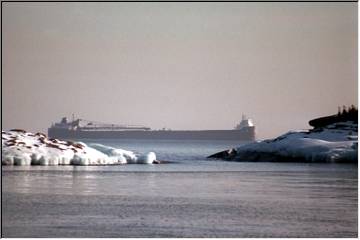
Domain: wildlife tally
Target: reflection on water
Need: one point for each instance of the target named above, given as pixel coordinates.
(172, 150)
(185, 198)
(306, 202)
(238, 179)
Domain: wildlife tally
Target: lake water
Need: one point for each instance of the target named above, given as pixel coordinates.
(188, 197)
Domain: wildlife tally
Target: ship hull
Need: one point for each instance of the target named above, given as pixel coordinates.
(247, 134)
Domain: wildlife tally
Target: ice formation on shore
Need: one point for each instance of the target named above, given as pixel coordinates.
(24, 148)
(337, 142)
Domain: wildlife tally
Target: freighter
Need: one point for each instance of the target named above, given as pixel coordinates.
(85, 129)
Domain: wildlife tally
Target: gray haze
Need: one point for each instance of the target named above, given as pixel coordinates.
(178, 65)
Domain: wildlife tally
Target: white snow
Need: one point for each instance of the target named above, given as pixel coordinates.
(333, 143)
(24, 148)
(148, 158)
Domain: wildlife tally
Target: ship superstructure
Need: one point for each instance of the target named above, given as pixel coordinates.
(245, 123)
(87, 125)
(86, 129)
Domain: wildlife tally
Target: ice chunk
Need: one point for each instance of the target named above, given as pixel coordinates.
(148, 158)
(24, 148)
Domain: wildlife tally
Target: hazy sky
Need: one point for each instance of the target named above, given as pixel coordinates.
(178, 65)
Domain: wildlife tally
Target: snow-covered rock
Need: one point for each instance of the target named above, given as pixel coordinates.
(24, 148)
(336, 142)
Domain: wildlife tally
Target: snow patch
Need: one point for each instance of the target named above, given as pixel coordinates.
(336, 142)
(23, 148)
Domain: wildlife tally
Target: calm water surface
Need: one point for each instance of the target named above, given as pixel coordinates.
(189, 197)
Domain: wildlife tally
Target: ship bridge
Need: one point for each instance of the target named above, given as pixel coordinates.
(245, 123)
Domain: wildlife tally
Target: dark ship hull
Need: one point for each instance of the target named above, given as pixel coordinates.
(245, 134)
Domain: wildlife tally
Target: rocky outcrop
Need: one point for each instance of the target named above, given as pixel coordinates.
(336, 142)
